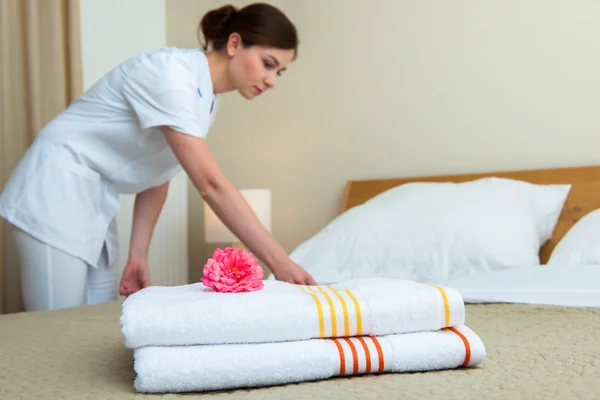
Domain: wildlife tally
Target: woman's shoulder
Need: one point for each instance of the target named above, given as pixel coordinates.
(167, 57)
(172, 62)
(171, 53)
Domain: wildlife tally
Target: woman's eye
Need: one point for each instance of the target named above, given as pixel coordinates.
(269, 65)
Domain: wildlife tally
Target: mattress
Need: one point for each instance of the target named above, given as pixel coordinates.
(534, 352)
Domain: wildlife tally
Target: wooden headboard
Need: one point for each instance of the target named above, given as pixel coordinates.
(583, 197)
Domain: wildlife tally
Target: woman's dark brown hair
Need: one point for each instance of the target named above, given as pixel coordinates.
(258, 24)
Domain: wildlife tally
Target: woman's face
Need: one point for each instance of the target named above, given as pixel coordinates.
(255, 69)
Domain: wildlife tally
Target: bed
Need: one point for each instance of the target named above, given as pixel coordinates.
(533, 350)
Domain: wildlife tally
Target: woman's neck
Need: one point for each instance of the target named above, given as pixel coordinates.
(217, 64)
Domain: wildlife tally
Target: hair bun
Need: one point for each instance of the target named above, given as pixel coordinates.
(214, 23)
(257, 24)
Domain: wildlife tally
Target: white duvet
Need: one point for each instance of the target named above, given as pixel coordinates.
(560, 285)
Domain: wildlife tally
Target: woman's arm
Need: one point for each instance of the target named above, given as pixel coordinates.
(146, 210)
(231, 207)
(147, 207)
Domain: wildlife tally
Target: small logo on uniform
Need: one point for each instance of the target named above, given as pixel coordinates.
(199, 92)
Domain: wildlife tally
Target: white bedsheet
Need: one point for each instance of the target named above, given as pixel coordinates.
(557, 285)
(560, 285)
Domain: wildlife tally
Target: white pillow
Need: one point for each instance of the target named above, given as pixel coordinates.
(429, 232)
(581, 244)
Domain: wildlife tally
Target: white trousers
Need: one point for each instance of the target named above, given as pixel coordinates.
(52, 279)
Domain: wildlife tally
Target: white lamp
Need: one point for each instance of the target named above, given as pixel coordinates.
(216, 232)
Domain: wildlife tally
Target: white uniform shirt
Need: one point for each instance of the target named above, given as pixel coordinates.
(65, 190)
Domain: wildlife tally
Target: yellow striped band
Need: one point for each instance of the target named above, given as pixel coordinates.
(352, 316)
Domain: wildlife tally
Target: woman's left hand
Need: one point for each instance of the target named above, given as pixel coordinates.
(136, 276)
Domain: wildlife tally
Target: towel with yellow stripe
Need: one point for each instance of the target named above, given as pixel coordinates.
(218, 367)
(196, 315)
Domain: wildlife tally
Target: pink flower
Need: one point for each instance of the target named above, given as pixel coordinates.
(233, 270)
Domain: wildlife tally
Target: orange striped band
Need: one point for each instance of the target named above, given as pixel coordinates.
(359, 352)
(467, 346)
(354, 356)
(367, 353)
(342, 357)
(379, 354)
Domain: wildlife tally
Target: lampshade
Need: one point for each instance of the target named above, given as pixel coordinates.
(216, 232)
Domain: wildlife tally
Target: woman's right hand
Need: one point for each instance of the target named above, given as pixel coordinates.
(231, 207)
(136, 276)
(293, 273)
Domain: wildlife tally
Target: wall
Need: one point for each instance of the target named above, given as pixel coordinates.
(112, 31)
(402, 88)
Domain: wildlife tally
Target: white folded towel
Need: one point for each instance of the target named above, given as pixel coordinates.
(217, 367)
(195, 314)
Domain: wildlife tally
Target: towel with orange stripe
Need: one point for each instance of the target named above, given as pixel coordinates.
(218, 367)
(196, 315)
(192, 339)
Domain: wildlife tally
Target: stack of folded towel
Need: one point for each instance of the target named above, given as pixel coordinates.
(190, 338)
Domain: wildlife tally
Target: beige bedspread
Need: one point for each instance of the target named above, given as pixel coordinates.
(534, 352)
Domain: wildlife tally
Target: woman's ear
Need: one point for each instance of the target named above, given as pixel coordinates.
(234, 44)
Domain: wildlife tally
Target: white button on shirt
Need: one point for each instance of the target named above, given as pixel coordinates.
(65, 190)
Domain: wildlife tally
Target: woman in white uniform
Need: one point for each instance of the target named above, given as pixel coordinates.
(139, 126)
